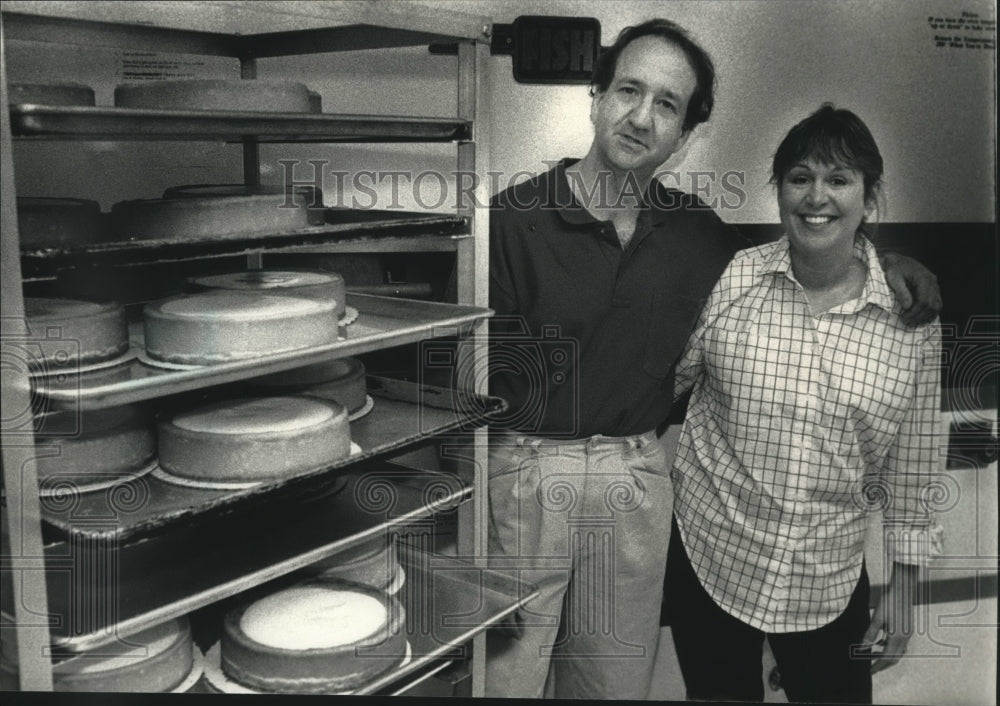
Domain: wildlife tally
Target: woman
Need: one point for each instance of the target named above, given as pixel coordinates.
(812, 404)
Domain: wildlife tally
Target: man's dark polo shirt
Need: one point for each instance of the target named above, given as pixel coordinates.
(599, 329)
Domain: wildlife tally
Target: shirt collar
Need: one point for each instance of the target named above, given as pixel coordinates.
(779, 261)
(876, 290)
(562, 196)
(570, 209)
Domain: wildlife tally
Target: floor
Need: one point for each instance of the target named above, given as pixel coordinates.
(952, 661)
(953, 664)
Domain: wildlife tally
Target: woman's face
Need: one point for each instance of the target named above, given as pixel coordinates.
(821, 205)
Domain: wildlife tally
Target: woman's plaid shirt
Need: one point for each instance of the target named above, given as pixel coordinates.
(797, 428)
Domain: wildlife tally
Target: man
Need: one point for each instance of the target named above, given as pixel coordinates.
(597, 275)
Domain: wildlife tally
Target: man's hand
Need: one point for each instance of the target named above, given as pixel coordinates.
(915, 286)
(893, 618)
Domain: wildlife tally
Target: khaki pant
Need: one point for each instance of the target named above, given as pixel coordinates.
(587, 522)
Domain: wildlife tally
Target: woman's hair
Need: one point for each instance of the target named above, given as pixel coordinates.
(700, 106)
(832, 136)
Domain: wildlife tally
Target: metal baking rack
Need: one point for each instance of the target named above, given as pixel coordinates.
(382, 322)
(346, 229)
(52, 122)
(403, 414)
(241, 542)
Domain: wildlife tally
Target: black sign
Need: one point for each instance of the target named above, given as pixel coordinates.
(555, 49)
(545, 49)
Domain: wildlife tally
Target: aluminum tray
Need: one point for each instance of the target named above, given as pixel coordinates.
(100, 588)
(30, 120)
(403, 414)
(344, 228)
(448, 602)
(383, 322)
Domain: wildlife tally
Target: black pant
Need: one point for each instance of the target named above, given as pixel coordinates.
(721, 656)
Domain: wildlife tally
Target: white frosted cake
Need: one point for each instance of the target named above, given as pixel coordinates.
(70, 331)
(314, 639)
(254, 439)
(311, 196)
(341, 380)
(301, 283)
(44, 222)
(220, 326)
(255, 95)
(95, 445)
(206, 218)
(155, 660)
(50, 93)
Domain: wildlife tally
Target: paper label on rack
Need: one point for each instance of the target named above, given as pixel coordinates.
(156, 66)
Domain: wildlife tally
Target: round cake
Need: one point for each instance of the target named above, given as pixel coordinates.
(254, 439)
(57, 222)
(373, 564)
(311, 196)
(220, 326)
(50, 93)
(301, 283)
(62, 332)
(155, 660)
(254, 95)
(95, 444)
(341, 380)
(314, 638)
(206, 218)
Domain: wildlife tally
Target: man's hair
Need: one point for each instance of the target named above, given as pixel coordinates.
(831, 136)
(700, 106)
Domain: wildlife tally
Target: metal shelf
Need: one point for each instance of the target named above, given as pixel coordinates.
(400, 688)
(253, 28)
(346, 230)
(115, 583)
(448, 602)
(53, 122)
(403, 414)
(100, 589)
(382, 322)
(382, 245)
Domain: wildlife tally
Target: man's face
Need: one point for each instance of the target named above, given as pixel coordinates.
(638, 120)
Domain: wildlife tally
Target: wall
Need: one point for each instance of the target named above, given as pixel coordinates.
(931, 109)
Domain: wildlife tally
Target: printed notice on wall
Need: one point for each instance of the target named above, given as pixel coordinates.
(965, 30)
(153, 66)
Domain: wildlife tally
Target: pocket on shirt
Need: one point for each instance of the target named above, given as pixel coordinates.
(875, 387)
(758, 374)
